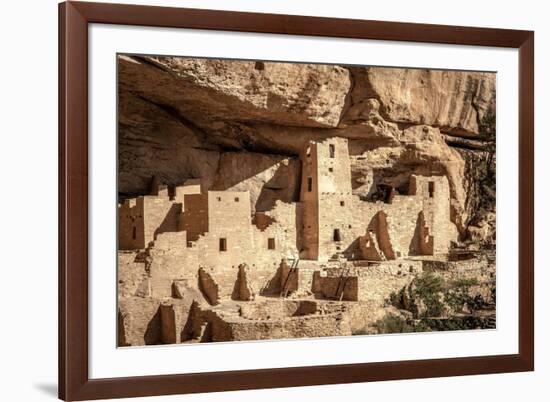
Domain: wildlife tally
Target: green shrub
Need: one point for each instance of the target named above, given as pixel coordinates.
(395, 299)
(392, 324)
(458, 295)
(428, 288)
(465, 282)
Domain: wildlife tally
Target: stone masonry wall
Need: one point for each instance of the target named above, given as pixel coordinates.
(295, 327)
(309, 231)
(131, 234)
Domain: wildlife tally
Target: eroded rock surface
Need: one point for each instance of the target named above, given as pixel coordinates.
(240, 125)
(452, 100)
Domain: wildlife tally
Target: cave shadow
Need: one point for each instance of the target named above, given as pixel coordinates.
(274, 189)
(353, 251)
(377, 229)
(152, 335)
(188, 331)
(238, 175)
(121, 334)
(170, 221)
(199, 325)
(417, 246)
(236, 292)
(273, 287)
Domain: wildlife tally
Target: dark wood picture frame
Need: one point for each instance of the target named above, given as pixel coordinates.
(74, 382)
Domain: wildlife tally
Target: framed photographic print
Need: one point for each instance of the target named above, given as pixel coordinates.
(259, 200)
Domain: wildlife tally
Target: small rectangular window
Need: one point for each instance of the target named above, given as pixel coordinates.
(134, 234)
(236, 199)
(309, 183)
(223, 244)
(342, 203)
(336, 235)
(271, 243)
(431, 189)
(330, 169)
(331, 150)
(219, 198)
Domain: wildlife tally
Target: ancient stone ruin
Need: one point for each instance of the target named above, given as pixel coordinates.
(321, 247)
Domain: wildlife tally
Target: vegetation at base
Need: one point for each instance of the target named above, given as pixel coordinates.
(395, 298)
(430, 296)
(395, 324)
(458, 323)
(458, 295)
(428, 288)
(465, 282)
(392, 324)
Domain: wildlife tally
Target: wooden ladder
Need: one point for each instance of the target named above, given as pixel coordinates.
(342, 284)
(293, 268)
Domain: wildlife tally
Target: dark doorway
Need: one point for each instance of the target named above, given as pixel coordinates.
(331, 150)
(336, 235)
(431, 189)
(171, 193)
(223, 244)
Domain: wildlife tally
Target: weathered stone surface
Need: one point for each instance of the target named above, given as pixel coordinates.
(132, 277)
(284, 93)
(455, 101)
(184, 118)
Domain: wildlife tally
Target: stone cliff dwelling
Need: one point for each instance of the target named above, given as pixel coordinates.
(328, 221)
(263, 200)
(205, 268)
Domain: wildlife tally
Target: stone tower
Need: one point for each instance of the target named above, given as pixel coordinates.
(326, 198)
(435, 224)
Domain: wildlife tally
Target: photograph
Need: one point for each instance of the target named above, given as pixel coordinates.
(275, 201)
(262, 200)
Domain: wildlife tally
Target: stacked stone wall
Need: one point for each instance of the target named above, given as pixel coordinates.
(131, 233)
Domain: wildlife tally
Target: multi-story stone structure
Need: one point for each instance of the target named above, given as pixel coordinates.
(210, 242)
(327, 221)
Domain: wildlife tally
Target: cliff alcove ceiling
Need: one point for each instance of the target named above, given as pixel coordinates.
(240, 125)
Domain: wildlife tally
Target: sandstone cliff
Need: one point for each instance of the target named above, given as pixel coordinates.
(241, 124)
